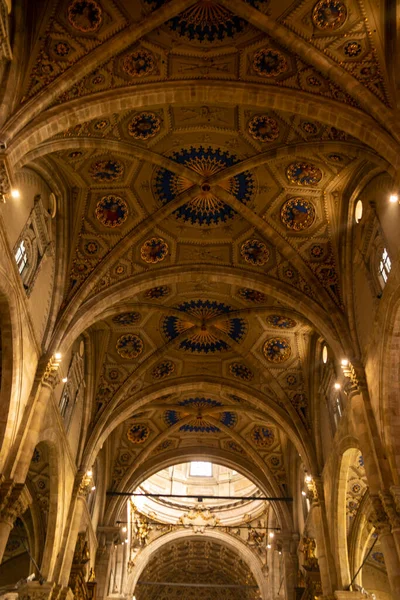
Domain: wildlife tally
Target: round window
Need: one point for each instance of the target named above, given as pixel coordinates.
(359, 211)
(325, 354)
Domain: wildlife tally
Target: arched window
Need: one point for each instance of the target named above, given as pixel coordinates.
(33, 244)
(385, 266)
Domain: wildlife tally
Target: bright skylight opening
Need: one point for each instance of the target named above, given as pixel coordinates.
(200, 469)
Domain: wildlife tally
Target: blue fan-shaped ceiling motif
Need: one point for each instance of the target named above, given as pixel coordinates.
(200, 408)
(205, 208)
(206, 21)
(200, 338)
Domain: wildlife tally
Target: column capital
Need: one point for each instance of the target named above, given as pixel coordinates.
(33, 590)
(14, 500)
(390, 507)
(379, 518)
(51, 376)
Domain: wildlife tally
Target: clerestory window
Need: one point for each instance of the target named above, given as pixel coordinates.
(21, 257)
(200, 469)
(385, 266)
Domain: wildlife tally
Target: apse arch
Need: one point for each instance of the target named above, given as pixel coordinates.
(260, 478)
(55, 119)
(247, 555)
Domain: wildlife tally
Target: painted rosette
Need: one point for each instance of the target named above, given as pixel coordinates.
(298, 214)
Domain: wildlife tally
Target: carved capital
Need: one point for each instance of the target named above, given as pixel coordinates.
(14, 500)
(33, 590)
(390, 509)
(51, 376)
(5, 183)
(379, 518)
(85, 483)
(395, 491)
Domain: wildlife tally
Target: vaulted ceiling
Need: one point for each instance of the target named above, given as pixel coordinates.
(207, 150)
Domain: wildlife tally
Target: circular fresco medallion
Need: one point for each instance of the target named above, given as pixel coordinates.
(291, 379)
(313, 81)
(327, 274)
(240, 371)
(144, 126)
(235, 447)
(252, 295)
(263, 128)
(111, 211)
(91, 247)
(100, 125)
(205, 208)
(129, 346)
(277, 350)
(303, 174)
(378, 557)
(299, 401)
(85, 15)
(255, 252)
(157, 292)
(138, 433)
(154, 250)
(329, 14)
(297, 214)
(139, 63)
(98, 79)
(164, 369)
(105, 171)
(268, 62)
(128, 318)
(280, 322)
(317, 251)
(262, 436)
(62, 49)
(309, 127)
(114, 374)
(162, 446)
(352, 49)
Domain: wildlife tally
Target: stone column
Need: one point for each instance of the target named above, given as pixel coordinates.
(14, 500)
(33, 589)
(104, 557)
(385, 518)
(319, 519)
(81, 490)
(291, 565)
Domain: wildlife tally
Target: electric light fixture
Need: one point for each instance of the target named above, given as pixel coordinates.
(15, 194)
(393, 198)
(337, 386)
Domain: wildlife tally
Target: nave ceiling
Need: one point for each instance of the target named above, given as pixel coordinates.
(209, 151)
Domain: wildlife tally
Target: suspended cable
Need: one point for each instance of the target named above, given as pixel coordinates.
(363, 563)
(198, 585)
(201, 497)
